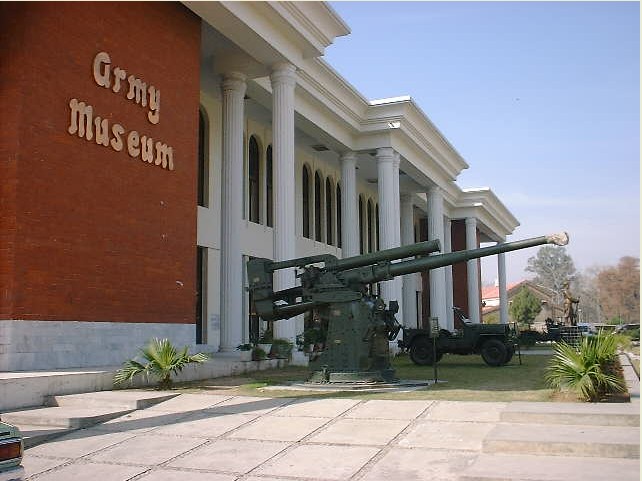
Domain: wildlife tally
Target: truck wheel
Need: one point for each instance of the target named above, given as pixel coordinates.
(494, 352)
(421, 352)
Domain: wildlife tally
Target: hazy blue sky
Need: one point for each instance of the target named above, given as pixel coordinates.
(542, 99)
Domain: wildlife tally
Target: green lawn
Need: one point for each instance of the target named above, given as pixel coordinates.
(462, 378)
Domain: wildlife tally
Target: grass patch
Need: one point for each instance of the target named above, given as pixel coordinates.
(463, 378)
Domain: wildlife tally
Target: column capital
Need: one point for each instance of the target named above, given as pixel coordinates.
(471, 221)
(385, 154)
(396, 158)
(234, 81)
(406, 198)
(349, 157)
(283, 73)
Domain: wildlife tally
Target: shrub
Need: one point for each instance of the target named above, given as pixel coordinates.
(281, 348)
(258, 354)
(163, 360)
(587, 370)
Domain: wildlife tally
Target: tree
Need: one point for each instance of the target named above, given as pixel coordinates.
(525, 306)
(619, 290)
(552, 266)
(585, 287)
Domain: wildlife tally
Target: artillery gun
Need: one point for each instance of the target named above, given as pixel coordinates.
(360, 326)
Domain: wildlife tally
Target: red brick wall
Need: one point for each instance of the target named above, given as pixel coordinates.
(460, 270)
(86, 232)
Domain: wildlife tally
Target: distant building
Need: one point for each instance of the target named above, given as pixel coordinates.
(490, 302)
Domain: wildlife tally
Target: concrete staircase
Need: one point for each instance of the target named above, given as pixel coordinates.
(561, 442)
(66, 413)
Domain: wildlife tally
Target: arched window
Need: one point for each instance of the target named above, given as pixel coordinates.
(317, 206)
(269, 187)
(339, 233)
(253, 180)
(203, 171)
(361, 224)
(328, 212)
(306, 202)
(369, 226)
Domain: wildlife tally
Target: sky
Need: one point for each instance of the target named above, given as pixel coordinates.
(542, 100)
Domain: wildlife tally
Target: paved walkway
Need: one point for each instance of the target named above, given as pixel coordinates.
(236, 438)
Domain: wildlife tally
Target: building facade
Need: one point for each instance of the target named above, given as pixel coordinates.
(150, 149)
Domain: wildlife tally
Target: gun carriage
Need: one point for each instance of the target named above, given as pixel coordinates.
(360, 325)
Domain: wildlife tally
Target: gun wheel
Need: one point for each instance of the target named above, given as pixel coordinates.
(421, 352)
(494, 352)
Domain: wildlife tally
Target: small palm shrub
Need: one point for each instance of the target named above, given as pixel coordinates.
(586, 370)
(163, 360)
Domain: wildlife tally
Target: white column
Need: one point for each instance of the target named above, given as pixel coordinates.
(503, 294)
(283, 82)
(396, 160)
(387, 213)
(472, 267)
(437, 276)
(410, 280)
(233, 87)
(447, 247)
(349, 210)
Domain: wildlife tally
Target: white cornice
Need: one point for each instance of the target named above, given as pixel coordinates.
(482, 203)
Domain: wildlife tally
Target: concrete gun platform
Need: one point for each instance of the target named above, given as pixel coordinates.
(213, 436)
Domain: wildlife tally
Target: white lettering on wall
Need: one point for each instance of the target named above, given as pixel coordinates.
(139, 92)
(84, 124)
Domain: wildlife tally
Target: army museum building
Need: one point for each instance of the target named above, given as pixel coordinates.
(150, 149)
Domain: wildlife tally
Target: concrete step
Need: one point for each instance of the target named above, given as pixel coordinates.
(586, 414)
(34, 435)
(71, 417)
(125, 399)
(503, 467)
(564, 440)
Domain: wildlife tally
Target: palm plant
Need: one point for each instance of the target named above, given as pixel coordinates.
(163, 360)
(585, 370)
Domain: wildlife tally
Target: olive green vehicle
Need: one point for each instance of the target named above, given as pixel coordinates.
(11, 450)
(496, 343)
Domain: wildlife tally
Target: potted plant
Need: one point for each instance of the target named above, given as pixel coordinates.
(163, 360)
(281, 348)
(245, 351)
(265, 340)
(258, 354)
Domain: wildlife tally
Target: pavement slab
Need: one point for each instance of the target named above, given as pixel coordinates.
(316, 407)
(206, 425)
(386, 409)
(231, 456)
(446, 435)
(279, 429)
(38, 464)
(79, 443)
(248, 404)
(320, 462)
(168, 474)
(147, 450)
(146, 420)
(189, 402)
(360, 432)
(126, 399)
(419, 465)
(498, 467)
(87, 471)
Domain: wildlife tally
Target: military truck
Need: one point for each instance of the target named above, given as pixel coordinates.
(11, 450)
(495, 342)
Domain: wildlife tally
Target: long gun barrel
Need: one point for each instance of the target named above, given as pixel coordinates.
(388, 271)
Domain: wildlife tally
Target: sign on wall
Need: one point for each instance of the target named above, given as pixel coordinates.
(87, 124)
